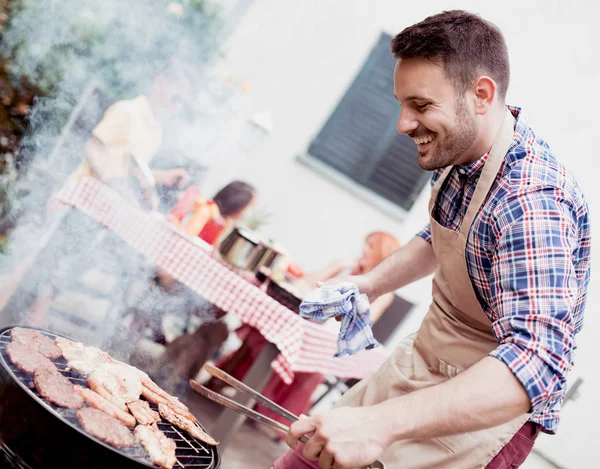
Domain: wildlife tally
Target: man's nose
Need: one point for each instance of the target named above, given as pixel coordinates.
(406, 121)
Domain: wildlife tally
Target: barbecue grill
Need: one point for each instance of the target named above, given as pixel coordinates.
(35, 433)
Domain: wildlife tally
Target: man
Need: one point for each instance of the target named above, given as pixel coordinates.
(508, 243)
(132, 131)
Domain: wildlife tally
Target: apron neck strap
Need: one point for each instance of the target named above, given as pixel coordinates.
(497, 154)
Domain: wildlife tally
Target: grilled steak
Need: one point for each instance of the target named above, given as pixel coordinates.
(37, 341)
(186, 424)
(143, 413)
(26, 359)
(160, 448)
(54, 387)
(105, 428)
(95, 400)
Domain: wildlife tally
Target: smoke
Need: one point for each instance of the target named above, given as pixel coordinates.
(63, 46)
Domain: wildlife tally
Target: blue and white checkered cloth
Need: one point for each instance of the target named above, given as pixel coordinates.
(343, 300)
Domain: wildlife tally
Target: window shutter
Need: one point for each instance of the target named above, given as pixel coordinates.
(360, 139)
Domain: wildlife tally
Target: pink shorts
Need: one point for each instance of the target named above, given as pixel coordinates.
(511, 456)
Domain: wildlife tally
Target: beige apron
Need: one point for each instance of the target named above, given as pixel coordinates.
(454, 335)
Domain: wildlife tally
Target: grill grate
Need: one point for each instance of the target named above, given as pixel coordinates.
(190, 452)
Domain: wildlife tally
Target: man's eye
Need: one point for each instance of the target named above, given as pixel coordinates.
(421, 107)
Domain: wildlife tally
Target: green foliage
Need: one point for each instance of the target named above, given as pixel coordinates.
(60, 44)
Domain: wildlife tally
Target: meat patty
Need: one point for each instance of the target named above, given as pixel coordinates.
(37, 341)
(143, 413)
(160, 448)
(26, 359)
(55, 388)
(95, 400)
(184, 423)
(105, 428)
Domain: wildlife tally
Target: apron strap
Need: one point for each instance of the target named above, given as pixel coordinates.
(500, 148)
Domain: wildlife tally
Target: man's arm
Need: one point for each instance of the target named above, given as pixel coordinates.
(483, 396)
(410, 263)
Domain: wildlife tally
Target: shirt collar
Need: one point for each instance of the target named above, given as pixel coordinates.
(469, 171)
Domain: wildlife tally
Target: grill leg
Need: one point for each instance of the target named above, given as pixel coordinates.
(257, 377)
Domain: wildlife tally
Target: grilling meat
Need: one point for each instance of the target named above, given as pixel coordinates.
(95, 400)
(56, 388)
(118, 380)
(26, 359)
(160, 448)
(185, 424)
(98, 387)
(36, 341)
(80, 357)
(143, 413)
(105, 428)
(156, 389)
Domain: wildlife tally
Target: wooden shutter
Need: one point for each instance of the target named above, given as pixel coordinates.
(360, 139)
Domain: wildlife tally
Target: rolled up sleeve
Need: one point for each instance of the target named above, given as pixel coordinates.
(534, 293)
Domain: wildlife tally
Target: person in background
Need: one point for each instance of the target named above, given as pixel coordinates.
(187, 351)
(210, 218)
(296, 397)
(131, 132)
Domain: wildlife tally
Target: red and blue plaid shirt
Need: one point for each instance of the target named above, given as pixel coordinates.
(528, 256)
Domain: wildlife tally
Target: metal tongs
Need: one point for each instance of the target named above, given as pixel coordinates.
(231, 404)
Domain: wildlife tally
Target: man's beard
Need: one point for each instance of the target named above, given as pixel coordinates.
(452, 148)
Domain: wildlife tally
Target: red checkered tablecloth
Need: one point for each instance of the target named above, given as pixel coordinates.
(304, 346)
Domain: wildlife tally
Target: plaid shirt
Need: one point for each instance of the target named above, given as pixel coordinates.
(528, 256)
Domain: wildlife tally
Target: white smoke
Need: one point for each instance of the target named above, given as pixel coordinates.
(61, 46)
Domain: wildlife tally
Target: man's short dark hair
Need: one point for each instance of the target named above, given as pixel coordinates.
(465, 44)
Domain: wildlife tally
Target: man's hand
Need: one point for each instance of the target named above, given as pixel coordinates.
(342, 438)
(363, 282)
(170, 177)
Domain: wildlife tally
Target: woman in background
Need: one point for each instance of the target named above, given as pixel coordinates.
(210, 218)
(296, 397)
(188, 348)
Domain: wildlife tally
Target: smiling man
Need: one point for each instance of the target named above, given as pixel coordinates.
(508, 243)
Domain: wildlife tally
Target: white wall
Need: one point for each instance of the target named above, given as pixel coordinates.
(300, 57)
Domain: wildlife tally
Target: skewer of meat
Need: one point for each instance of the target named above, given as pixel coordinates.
(36, 341)
(95, 400)
(105, 428)
(156, 389)
(143, 413)
(120, 381)
(160, 448)
(55, 388)
(96, 385)
(185, 424)
(25, 358)
(156, 399)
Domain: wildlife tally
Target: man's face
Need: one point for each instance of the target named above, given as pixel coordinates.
(433, 114)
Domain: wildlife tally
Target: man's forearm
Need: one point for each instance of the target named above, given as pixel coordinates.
(484, 396)
(410, 263)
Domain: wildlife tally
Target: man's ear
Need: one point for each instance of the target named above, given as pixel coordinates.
(485, 92)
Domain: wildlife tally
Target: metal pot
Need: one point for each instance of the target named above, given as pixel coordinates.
(269, 259)
(241, 248)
